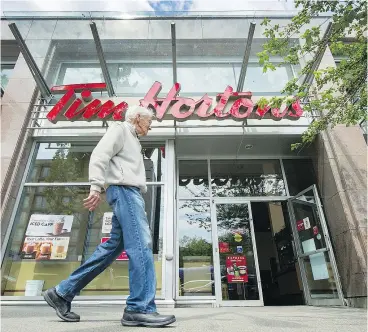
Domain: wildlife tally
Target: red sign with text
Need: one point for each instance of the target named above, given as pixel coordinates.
(300, 225)
(230, 104)
(122, 257)
(236, 269)
(224, 247)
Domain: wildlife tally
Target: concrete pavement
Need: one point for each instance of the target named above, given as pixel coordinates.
(106, 318)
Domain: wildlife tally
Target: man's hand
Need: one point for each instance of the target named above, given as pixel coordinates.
(92, 201)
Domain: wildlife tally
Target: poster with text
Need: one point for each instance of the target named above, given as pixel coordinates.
(45, 248)
(236, 269)
(47, 237)
(107, 223)
(224, 247)
(49, 225)
(300, 225)
(122, 257)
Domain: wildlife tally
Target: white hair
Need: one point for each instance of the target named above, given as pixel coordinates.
(133, 111)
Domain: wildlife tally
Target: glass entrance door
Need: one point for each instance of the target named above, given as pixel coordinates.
(313, 249)
(237, 278)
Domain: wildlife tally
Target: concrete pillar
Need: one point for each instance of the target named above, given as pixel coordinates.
(342, 177)
(341, 167)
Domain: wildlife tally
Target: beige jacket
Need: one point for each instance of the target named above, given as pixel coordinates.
(117, 159)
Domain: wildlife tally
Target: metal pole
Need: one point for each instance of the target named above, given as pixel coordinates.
(244, 66)
(173, 46)
(101, 57)
(36, 73)
(308, 79)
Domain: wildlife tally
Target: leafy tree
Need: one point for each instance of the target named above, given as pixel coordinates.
(194, 246)
(340, 93)
(64, 167)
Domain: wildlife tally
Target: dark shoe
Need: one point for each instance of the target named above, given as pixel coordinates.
(132, 318)
(61, 306)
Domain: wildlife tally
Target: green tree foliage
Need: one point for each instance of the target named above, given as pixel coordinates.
(340, 93)
(65, 167)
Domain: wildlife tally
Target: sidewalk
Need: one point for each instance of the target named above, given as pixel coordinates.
(106, 318)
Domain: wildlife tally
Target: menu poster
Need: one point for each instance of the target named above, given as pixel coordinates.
(45, 248)
(49, 225)
(47, 237)
(236, 269)
(122, 257)
(107, 223)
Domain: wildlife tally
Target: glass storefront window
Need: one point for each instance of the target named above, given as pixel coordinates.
(79, 73)
(6, 71)
(269, 83)
(53, 234)
(193, 179)
(128, 78)
(237, 260)
(115, 279)
(299, 174)
(312, 240)
(196, 78)
(68, 233)
(68, 162)
(138, 78)
(201, 78)
(196, 275)
(231, 178)
(37, 249)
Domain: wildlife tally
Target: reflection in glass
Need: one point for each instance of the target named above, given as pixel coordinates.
(299, 174)
(139, 78)
(50, 201)
(69, 162)
(127, 78)
(84, 236)
(195, 249)
(201, 78)
(320, 276)
(72, 74)
(269, 83)
(193, 179)
(237, 263)
(308, 223)
(246, 178)
(115, 279)
(6, 71)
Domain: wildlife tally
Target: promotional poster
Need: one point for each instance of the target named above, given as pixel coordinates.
(106, 223)
(47, 237)
(236, 269)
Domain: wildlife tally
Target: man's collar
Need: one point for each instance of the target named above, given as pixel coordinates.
(132, 128)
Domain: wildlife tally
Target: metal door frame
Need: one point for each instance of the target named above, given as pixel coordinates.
(216, 257)
(300, 255)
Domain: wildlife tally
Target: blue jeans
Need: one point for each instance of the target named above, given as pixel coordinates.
(129, 222)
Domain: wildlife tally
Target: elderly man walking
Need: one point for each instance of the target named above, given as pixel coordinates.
(117, 163)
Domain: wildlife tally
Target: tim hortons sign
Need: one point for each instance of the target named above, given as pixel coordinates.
(230, 104)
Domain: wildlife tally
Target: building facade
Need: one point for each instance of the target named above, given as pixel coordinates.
(237, 217)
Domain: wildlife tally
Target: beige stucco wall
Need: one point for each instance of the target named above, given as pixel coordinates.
(341, 165)
(342, 179)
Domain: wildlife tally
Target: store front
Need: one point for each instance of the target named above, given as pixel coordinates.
(243, 233)
(244, 227)
(235, 215)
